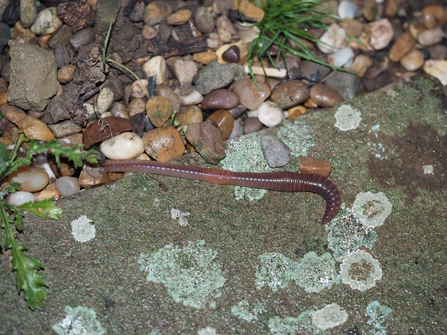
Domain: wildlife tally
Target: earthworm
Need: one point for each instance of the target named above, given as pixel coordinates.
(282, 181)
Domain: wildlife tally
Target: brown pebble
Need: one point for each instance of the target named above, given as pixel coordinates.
(158, 110)
(412, 61)
(188, 115)
(289, 94)
(224, 120)
(93, 176)
(168, 93)
(205, 57)
(232, 54)
(206, 138)
(325, 96)
(163, 144)
(220, 99)
(296, 111)
(251, 96)
(402, 46)
(315, 166)
(101, 130)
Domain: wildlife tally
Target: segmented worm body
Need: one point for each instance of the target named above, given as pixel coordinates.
(278, 181)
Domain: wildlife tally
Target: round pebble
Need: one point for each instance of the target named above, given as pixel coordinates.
(251, 97)
(139, 88)
(156, 67)
(380, 33)
(163, 144)
(325, 96)
(347, 9)
(412, 61)
(270, 114)
(204, 20)
(158, 110)
(220, 99)
(333, 39)
(185, 70)
(224, 120)
(192, 98)
(32, 179)
(168, 93)
(275, 151)
(342, 57)
(66, 73)
(289, 94)
(47, 22)
(104, 100)
(67, 186)
(232, 55)
(20, 197)
(430, 37)
(188, 115)
(123, 146)
(179, 18)
(402, 46)
(252, 125)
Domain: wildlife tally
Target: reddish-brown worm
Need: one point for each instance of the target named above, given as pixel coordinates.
(278, 181)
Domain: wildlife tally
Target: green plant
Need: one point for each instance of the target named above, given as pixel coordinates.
(28, 279)
(285, 22)
(108, 58)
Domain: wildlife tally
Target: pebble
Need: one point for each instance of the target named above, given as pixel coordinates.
(252, 125)
(136, 106)
(225, 29)
(180, 17)
(432, 15)
(205, 57)
(438, 69)
(206, 139)
(139, 88)
(188, 115)
(275, 151)
(220, 99)
(192, 98)
(351, 26)
(67, 186)
(316, 166)
(324, 96)
(380, 33)
(149, 32)
(212, 77)
(56, 111)
(204, 20)
(238, 111)
(224, 120)
(369, 9)
(104, 100)
(123, 146)
(185, 70)
(334, 39)
(93, 176)
(430, 37)
(83, 37)
(101, 130)
(65, 128)
(19, 198)
(250, 96)
(247, 32)
(164, 144)
(238, 130)
(168, 93)
(232, 54)
(290, 93)
(32, 179)
(342, 58)
(402, 46)
(249, 9)
(270, 114)
(412, 61)
(296, 111)
(47, 22)
(66, 73)
(156, 67)
(158, 109)
(361, 64)
(347, 9)
(156, 12)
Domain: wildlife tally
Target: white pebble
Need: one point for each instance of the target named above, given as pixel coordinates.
(123, 146)
(47, 22)
(438, 69)
(347, 9)
(67, 186)
(193, 98)
(156, 67)
(20, 197)
(342, 57)
(104, 100)
(138, 91)
(32, 179)
(334, 38)
(238, 130)
(380, 33)
(270, 114)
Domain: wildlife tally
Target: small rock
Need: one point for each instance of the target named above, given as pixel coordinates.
(158, 110)
(251, 97)
(204, 20)
(438, 69)
(185, 70)
(342, 57)
(316, 166)
(432, 15)
(270, 114)
(192, 98)
(149, 32)
(136, 106)
(275, 151)
(104, 100)
(93, 176)
(324, 96)
(238, 111)
(290, 93)
(19, 198)
(438, 52)
(249, 9)
(351, 26)
(71, 139)
(369, 9)
(67, 186)
(188, 115)
(83, 37)
(139, 88)
(66, 73)
(205, 57)
(65, 128)
(412, 61)
(232, 55)
(156, 11)
(180, 17)
(220, 99)
(31, 179)
(252, 125)
(243, 53)
(361, 64)
(119, 110)
(164, 144)
(225, 29)
(123, 146)
(156, 67)
(296, 111)
(168, 93)
(101, 130)
(347, 9)
(402, 46)
(430, 37)
(212, 77)
(206, 139)
(334, 39)
(56, 111)
(224, 120)
(238, 130)
(47, 22)
(380, 33)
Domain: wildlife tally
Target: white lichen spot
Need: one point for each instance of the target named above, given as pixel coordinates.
(347, 118)
(372, 209)
(246, 311)
(79, 321)
(207, 331)
(428, 169)
(360, 271)
(329, 317)
(177, 214)
(82, 229)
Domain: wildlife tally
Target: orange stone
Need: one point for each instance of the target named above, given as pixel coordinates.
(315, 166)
(163, 144)
(224, 120)
(402, 46)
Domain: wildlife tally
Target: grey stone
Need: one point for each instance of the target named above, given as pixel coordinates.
(348, 85)
(56, 111)
(275, 151)
(28, 12)
(64, 128)
(212, 77)
(5, 34)
(106, 11)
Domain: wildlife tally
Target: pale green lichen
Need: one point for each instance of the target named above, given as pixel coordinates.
(298, 136)
(275, 272)
(372, 209)
(79, 321)
(290, 326)
(377, 314)
(191, 274)
(329, 316)
(360, 271)
(346, 234)
(246, 311)
(207, 331)
(347, 118)
(82, 229)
